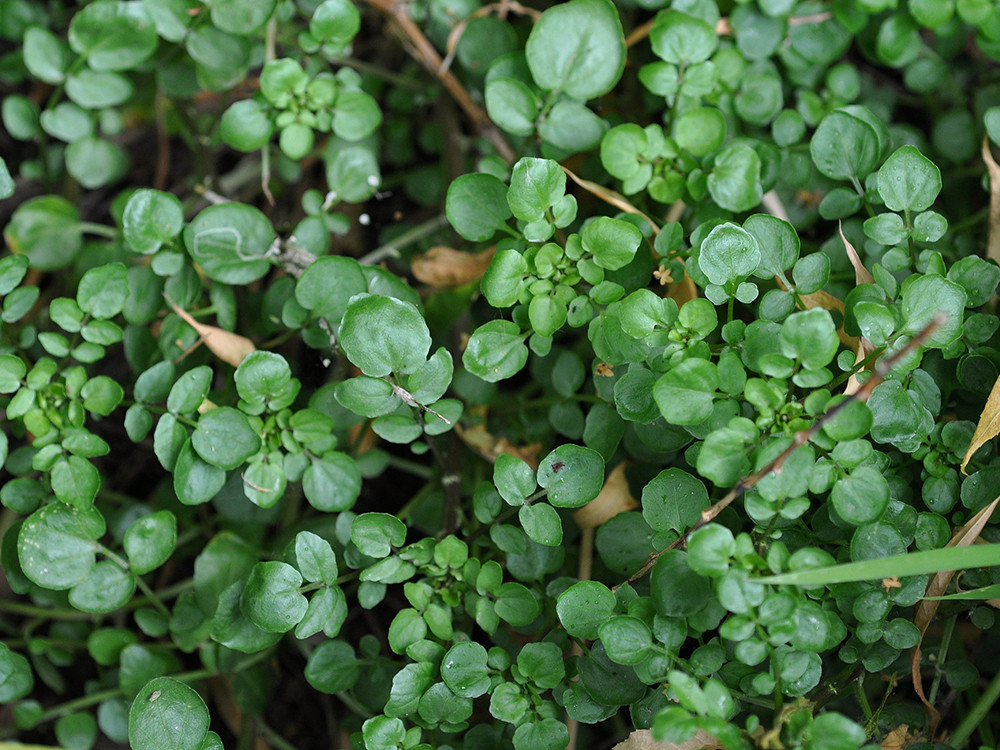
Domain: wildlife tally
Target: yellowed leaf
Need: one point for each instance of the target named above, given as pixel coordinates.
(988, 427)
(993, 245)
(226, 345)
(898, 738)
(444, 267)
(614, 498)
(642, 739)
(925, 610)
(489, 446)
(861, 274)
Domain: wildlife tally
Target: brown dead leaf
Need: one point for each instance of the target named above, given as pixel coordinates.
(614, 498)
(891, 583)
(861, 274)
(489, 446)
(444, 267)
(642, 739)
(925, 610)
(993, 245)
(682, 290)
(226, 345)
(898, 738)
(988, 426)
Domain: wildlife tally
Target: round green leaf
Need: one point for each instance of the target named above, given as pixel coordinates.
(908, 181)
(229, 241)
(673, 500)
(700, 130)
(333, 668)
(16, 678)
(106, 589)
(94, 162)
(627, 640)
(382, 335)
(476, 206)
(541, 523)
(150, 219)
(271, 597)
(845, 146)
(577, 47)
(685, 394)
(375, 534)
(56, 545)
(512, 105)
(150, 540)
(75, 481)
(734, 181)
(496, 351)
(464, 670)
(113, 35)
(332, 483)
(224, 438)
(572, 474)
(45, 55)
(47, 230)
(167, 715)
(584, 607)
(862, 497)
(241, 16)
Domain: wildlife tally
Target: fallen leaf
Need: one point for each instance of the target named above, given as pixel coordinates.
(898, 738)
(614, 498)
(226, 345)
(861, 274)
(489, 446)
(642, 739)
(925, 610)
(993, 245)
(609, 196)
(444, 267)
(988, 427)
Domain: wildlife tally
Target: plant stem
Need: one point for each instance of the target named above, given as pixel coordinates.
(977, 713)
(391, 249)
(98, 229)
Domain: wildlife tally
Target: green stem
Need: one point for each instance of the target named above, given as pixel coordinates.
(942, 657)
(98, 229)
(977, 713)
(143, 586)
(30, 610)
(414, 234)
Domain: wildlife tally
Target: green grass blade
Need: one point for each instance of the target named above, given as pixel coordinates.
(912, 564)
(986, 592)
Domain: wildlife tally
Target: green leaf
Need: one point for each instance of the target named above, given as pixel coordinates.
(505, 278)
(56, 545)
(271, 597)
(375, 534)
(513, 106)
(674, 500)
(76, 731)
(627, 640)
(264, 382)
(94, 162)
(47, 230)
(151, 218)
(572, 474)
(101, 395)
(710, 549)
(16, 678)
(514, 479)
(224, 438)
(67, 122)
(577, 48)
(75, 481)
(113, 35)
(333, 668)
(45, 55)
(923, 298)
(734, 181)
(241, 16)
(584, 607)
(777, 241)
(150, 540)
(541, 523)
(845, 146)
(536, 184)
(167, 715)
(246, 125)
(382, 335)
(613, 242)
(328, 284)
(496, 351)
(572, 127)
(464, 670)
(13, 269)
(700, 131)
(96, 90)
(675, 590)
(685, 394)
(335, 21)
(106, 589)
(315, 559)
(729, 254)
(680, 38)
(188, 391)
(547, 734)
(862, 497)
(352, 174)
(332, 482)
(908, 180)
(810, 337)
(229, 242)
(195, 481)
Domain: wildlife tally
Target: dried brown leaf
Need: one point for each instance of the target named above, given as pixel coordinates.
(642, 739)
(445, 267)
(925, 610)
(609, 196)
(614, 498)
(993, 245)
(988, 426)
(898, 738)
(226, 345)
(489, 446)
(861, 274)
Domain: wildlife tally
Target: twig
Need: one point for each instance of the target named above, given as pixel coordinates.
(882, 369)
(428, 56)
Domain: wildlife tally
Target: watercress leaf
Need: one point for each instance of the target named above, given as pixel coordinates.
(195, 480)
(335, 21)
(149, 541)
(167, 715)
(327, 285)
(516, 605)
(353, 174)
(627, 640)
(584, 607)
(45, 55)
(710, 549)
(476, 206)
(93, 161)
(264, 381)
(17, 677)
(107, 588)
(464, 670)
(103, 290)
(673, 500)
(547, 734)
(811, 272)
(47, 230)
(577, 47)
(845, 146)
(57, 544)
(908, 180)
(496, 351)
(729, 254)
(367, 397)
(735, 180)
(541, 523)
(778, 244)
(681, 38)
(382, 335)
(924, 297)
(513, 106)
(514, 479)
(271, 597)
(332, 482)
(612, 242)
(535, 185)
(230, 242)
(188, 391)
(101, 395)
(246, 125)
(113, 35)
(862, 497)
(375, 534)
(241, 16)
(685, 394)
(572, 474)
(810, 337)
(224, 438)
